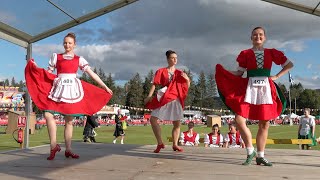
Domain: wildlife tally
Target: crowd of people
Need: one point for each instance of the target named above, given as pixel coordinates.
(214, 139)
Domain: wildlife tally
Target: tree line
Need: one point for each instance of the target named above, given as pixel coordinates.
(301, 98)
(13, 83)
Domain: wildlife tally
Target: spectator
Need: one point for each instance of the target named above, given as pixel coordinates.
(214, 139)
(88, 131)
(190, 137)
(119, 131)
(307, 128)
(233, 138)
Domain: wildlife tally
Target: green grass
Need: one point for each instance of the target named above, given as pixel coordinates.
(143, 135)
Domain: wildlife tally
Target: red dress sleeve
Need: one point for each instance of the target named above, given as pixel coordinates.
(157, 77)
(278, 57)
(161, 77)
(242, 60)
(177, 88)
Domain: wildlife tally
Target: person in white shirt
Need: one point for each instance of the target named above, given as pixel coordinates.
(214, 139)
(233, 138)
(190, 137)
(306, 128)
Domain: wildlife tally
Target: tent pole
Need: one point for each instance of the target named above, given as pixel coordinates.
(28, 105)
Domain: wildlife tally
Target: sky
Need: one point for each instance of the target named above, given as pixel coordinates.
(134, 39)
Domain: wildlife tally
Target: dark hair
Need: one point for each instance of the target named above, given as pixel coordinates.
(233, 124)
(216, 125)
(191, 123)
(72, 35)
(259, 27)
(169, 52)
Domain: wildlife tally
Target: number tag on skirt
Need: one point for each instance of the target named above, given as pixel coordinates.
(67, 81)
(259, 81)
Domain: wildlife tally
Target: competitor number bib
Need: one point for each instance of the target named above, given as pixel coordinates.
(259, 81)
(67, 81)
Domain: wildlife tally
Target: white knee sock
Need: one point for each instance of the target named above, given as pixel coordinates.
(260, 154)
(249, 150)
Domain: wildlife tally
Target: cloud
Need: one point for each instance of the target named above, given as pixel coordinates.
(7, 17)
(309, 66)
(293, 45)
(46, 50)
(202, 32)
(309, 82)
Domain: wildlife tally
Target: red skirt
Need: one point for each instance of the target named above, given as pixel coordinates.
(39, 83)
(232, 90)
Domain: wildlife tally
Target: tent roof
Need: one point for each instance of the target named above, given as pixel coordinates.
(307, 6)
(24, 22)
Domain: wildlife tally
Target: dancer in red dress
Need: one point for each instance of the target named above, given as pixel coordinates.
(64, 93)
(257, 96)
(168, 104)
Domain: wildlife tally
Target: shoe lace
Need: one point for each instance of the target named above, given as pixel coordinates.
(248, 160)
(265, 160)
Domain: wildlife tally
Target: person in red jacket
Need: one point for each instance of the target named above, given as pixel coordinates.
(168, 103)
(64, 93)
(190, 137)
(256, 96)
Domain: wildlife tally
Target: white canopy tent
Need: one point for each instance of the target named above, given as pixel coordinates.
(25, 22)
(307, 6)
(293, 116)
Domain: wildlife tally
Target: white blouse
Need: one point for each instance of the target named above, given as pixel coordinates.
(234, 142)
(196, 141)
(214, 141)
(83, 64)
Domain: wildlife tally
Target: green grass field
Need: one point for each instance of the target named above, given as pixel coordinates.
(143, 135)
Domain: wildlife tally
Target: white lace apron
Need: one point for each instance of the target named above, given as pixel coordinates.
(66, 88)
(258, 91)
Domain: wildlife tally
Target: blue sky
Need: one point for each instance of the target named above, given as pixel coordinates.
(134, 39)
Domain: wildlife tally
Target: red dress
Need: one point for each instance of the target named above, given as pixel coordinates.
(177, 88)
(232, 89)
(40, 83)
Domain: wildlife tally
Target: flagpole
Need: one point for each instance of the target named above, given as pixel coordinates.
(290, 84)
(295, 105)
(289, 100)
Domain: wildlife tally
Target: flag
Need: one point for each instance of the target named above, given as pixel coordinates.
(290, 79)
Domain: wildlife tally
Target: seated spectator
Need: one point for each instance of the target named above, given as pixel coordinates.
(190, 137)
(233, 138)
(213, 139)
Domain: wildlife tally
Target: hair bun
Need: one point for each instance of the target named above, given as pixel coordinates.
(72, 35)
